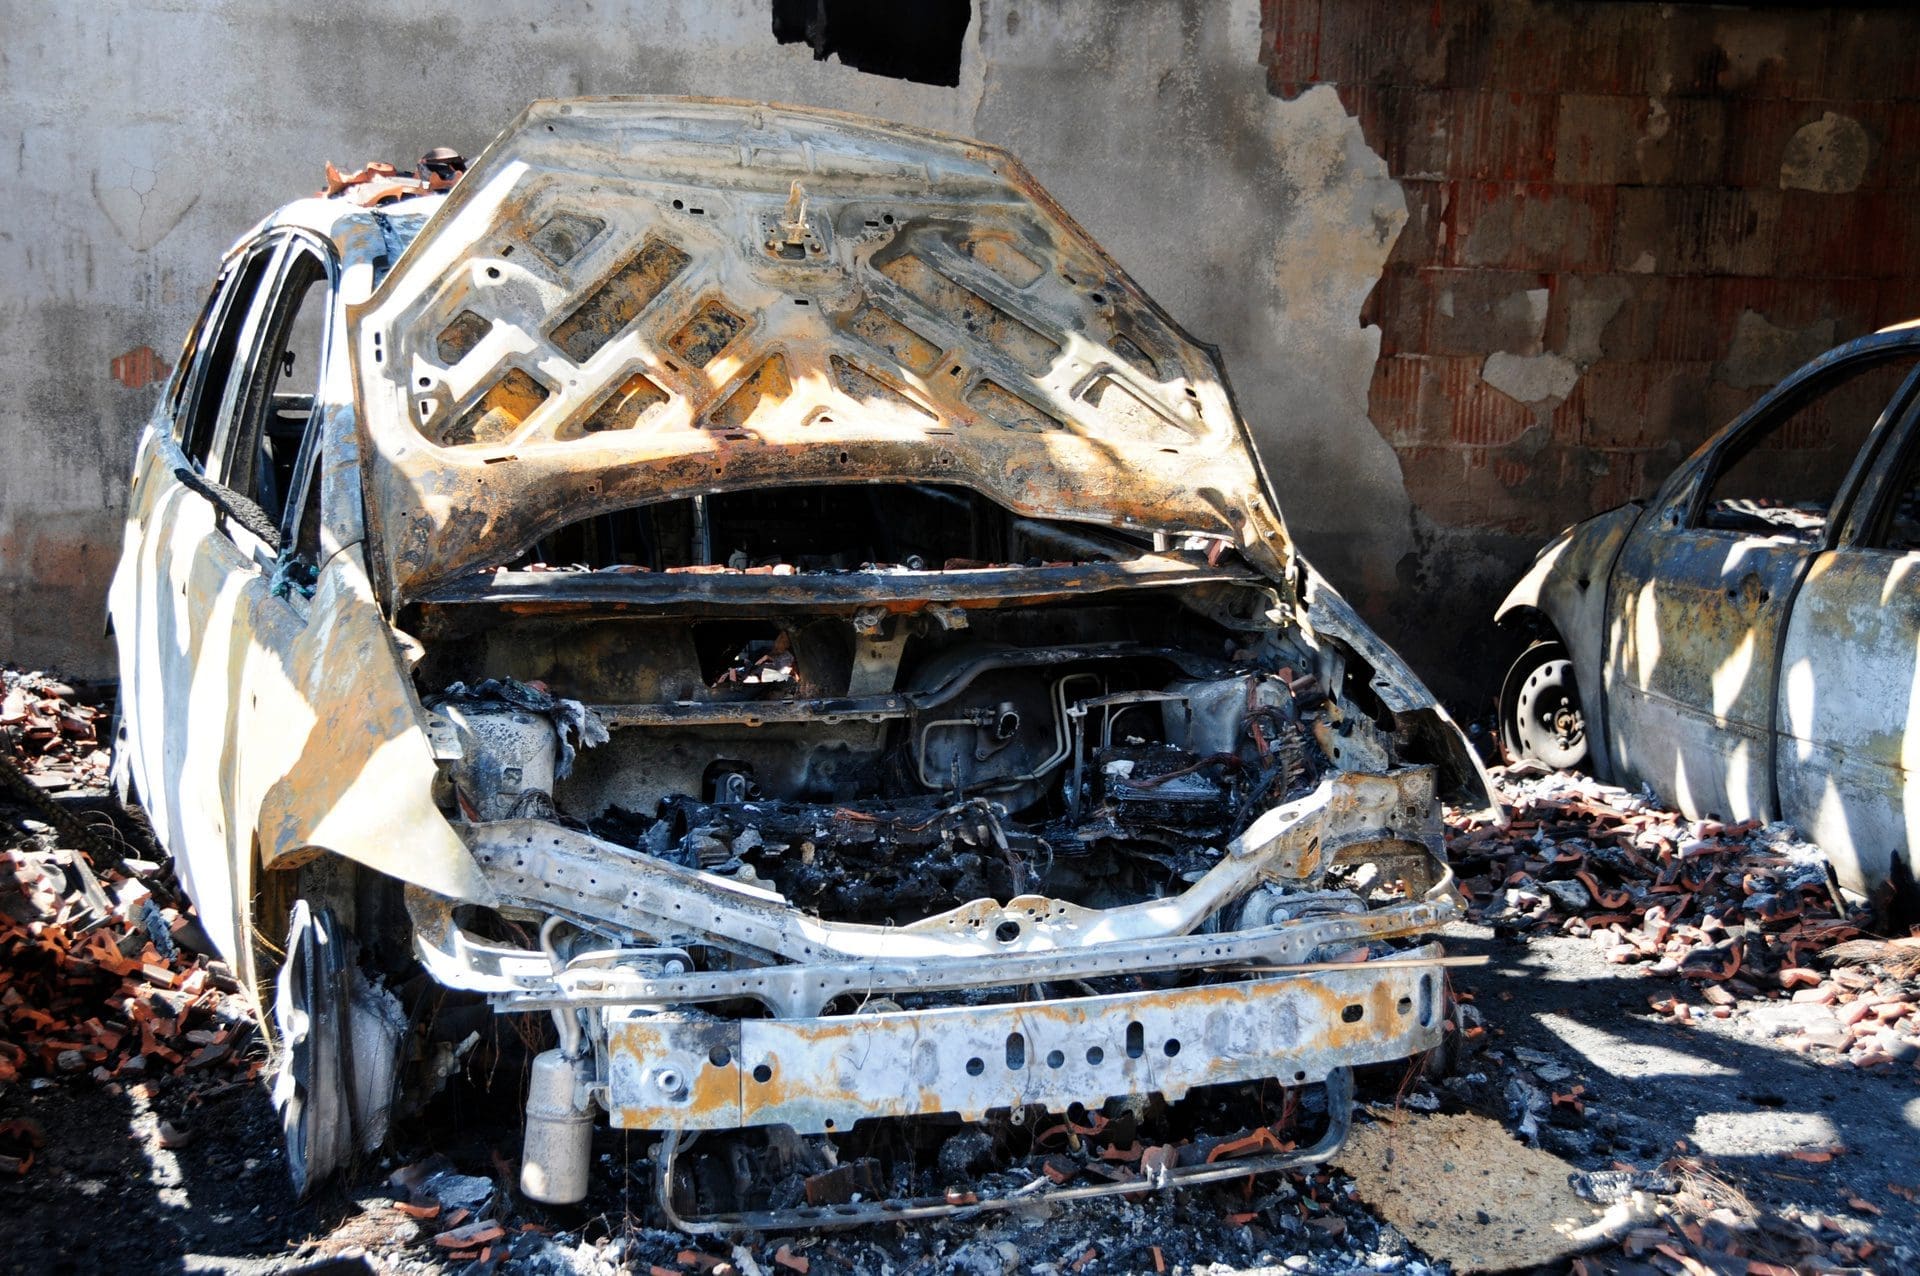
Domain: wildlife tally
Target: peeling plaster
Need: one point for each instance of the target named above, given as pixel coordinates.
(1539, 378)
(1829, 156)
(1761, 353)
(1261, 224)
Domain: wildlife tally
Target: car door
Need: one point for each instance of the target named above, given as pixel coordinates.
(211, 496)
(1849, 704)
(1698, 599)
(176, 565)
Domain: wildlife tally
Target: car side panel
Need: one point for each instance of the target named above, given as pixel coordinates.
(344, 763)
(1849, 713)
(1694, 628)
(1568, 584)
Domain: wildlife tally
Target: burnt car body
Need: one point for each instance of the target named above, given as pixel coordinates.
(761, 588)
(1747, 643)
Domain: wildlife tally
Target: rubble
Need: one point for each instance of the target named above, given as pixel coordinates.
(1746, 914)
(99, 980)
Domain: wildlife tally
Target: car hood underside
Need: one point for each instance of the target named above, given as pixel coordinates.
(632, 300)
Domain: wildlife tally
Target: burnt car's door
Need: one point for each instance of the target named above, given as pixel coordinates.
(204, 537)
(174, 567)
(1849, 705)
(1698, 599)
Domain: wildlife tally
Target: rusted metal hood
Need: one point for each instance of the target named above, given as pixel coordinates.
(633, 299)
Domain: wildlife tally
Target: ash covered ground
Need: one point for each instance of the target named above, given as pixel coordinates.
(1683, 1053)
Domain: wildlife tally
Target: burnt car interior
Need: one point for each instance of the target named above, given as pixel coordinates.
(1782, 479)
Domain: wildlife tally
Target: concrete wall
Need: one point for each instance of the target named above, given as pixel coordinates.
(1626, 221)
(146, 137)
(1591, 197)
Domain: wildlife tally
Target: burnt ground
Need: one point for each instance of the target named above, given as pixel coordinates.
(1784, 1162)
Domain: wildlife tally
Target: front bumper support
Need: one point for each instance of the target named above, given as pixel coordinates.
(694, 1072)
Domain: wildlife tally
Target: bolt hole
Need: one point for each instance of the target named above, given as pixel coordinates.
(1404, 1005)
(1299, 1076)
(1055, 1059)
(1099, 298)
(976, 1066)
(829, 1123)
(425, 382)
(762, 1073)
(1172, 1047)
(1096, 1056)
(887, 218)
(1136, 1040)
(1353, 1014)
(719, 1056)
(1016, 1051)
(1007, 932)
(679, 204)
(493, 272)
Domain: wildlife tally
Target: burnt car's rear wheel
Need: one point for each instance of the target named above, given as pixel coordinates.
(1541, 718)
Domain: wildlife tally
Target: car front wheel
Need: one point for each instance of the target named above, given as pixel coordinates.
(1540, 715)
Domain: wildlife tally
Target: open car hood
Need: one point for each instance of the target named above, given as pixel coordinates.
(635, 299)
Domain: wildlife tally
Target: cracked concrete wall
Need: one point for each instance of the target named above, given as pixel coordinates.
(145, 139)
(1626, 222)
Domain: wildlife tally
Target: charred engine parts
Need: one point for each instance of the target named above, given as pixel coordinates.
(559, 1132)
(1080, 858)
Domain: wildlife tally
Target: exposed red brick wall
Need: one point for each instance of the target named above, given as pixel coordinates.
(1602, 184)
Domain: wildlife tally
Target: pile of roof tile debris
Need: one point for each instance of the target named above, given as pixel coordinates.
(1744, 912)
(430, 1215)
(97, 977)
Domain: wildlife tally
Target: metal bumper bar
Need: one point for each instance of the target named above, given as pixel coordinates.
(681, 1072)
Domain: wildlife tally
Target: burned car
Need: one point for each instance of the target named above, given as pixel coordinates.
(756, 597)
(1747, 643)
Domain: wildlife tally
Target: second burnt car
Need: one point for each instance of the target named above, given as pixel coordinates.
(1747, 642)
(758, 597)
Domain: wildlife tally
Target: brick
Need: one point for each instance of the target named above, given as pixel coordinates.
(1656, 321)
(1684, 142)
(1412, 128)
(1596, 136)
(1503, 136)
(1512, 48)
(1542, 228)
(1386, 42)
(1782, 300)
(1695, 230)
(1769, 52)
(1898, 301)
(1477, 414)
(1291, 45)
(1612, 479)
(1398, 307)
(1427, 238)
(1639, 405)
(1758, 130)
(1887, 234)
(1475, 312)
(1820, 234)
(1872, 49)
(1393, 400)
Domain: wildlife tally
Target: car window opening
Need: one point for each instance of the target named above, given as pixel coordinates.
(1782, 476)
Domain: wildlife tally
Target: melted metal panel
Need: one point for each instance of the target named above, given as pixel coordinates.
(763, 252)
(674, 1072)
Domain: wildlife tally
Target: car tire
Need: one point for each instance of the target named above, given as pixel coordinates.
(310, 1023)
(1541, 718)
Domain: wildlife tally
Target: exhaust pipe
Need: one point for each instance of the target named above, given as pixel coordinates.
(559, 1141)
